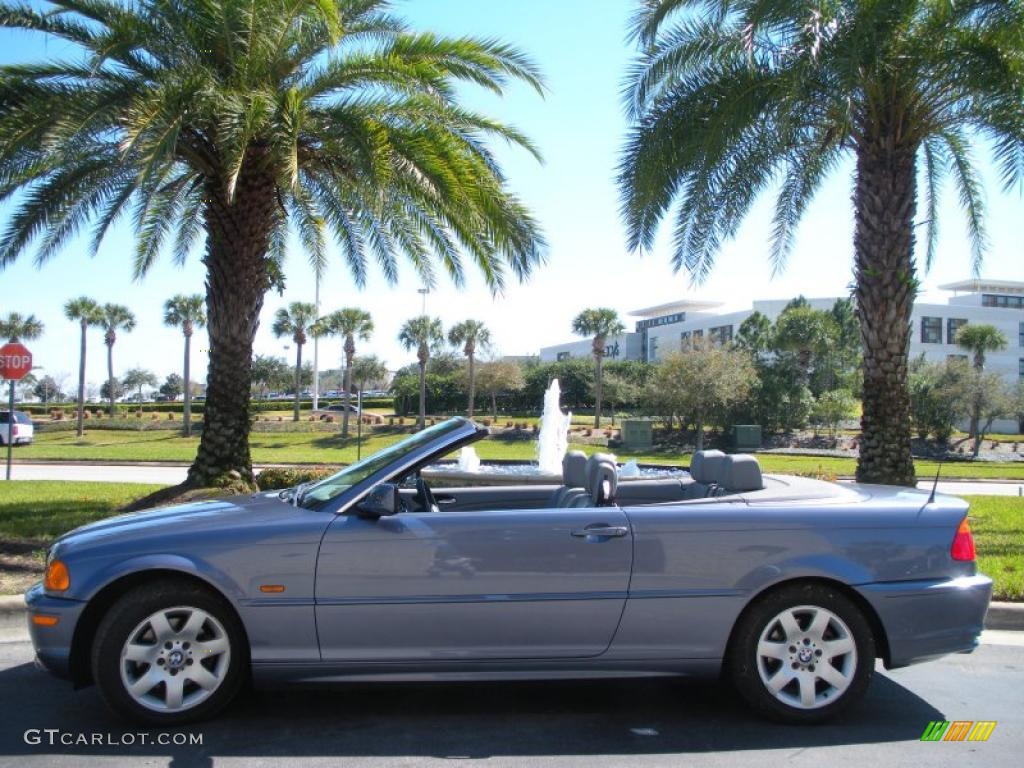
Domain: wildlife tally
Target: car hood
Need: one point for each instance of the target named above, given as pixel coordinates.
(196, 516)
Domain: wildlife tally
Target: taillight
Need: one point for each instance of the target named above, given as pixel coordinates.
(14, 430)
(963, 543)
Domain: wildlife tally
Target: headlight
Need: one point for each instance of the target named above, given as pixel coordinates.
(57, 577)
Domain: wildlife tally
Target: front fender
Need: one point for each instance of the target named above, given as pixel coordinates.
(96, 581)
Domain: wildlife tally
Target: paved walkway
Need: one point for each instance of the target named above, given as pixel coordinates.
(170, 475)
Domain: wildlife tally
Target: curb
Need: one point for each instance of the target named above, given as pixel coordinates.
(1006, 616)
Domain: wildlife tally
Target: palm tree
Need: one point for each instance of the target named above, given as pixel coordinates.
(187, 313)
(18, 328)
(237, 121)
(296, 321)
(728, 98)
(805, 332)
(348, 323)
(367, 369)
(137, 378)
(599, 323)
(979, 340)
(421, 333)
(85, 312)
(470, 334)
(114, 318)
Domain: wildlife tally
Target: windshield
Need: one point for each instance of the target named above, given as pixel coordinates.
(338, 483)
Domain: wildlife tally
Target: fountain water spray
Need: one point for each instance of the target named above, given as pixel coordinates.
(553, 440)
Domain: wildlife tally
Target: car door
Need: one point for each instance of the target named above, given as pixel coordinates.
(488, 584)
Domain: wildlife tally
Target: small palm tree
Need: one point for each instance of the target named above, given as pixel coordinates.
(349, 323)
(422, 333)
(730, 98)
(979, 340)
(137, 378)
(600, 324)
(187, 313)
(235, 122)
(17, 328)
(367, 369)
(470, 335)
(297, 321)
(85, 312)
(114, 318)
(805, 332)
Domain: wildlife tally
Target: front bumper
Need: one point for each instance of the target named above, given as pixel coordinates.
(52, 644)
(923, 620)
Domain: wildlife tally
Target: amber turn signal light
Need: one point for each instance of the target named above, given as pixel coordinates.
(44, 621)
(57, 577)
(273, 588)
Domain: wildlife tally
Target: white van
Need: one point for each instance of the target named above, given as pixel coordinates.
(23, 431)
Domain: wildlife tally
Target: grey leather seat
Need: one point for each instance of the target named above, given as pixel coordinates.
(705, 469)
(739, 473)
(574, 477)
(602, 482)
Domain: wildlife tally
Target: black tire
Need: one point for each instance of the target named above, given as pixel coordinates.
(123, 618)
(744, 667)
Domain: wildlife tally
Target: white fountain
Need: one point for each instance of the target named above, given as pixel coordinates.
(553, 440)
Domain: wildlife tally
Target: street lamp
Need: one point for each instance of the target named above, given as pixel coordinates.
(423, 304)
(316, 350)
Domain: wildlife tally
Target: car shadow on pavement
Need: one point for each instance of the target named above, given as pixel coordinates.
(460, 720)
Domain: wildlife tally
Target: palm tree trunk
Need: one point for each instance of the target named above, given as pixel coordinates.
(81, 383)
(237, 279)
(187, 411)
(884, 202)
(494, 406)
(298, 376)
(700, 435)
(347, 383)
(472, 385)
(597, 391)
(110, 378)
(422, 421)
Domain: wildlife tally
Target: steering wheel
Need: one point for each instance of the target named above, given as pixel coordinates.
(425, 496)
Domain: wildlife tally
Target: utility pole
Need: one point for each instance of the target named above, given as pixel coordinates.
(316, 351)
(423, 295)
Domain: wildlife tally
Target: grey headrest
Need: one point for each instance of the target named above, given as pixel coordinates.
(741, 472)
(705, 466)
(602, 477)
(574, 469)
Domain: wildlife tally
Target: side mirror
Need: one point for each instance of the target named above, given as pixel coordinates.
(382, 501)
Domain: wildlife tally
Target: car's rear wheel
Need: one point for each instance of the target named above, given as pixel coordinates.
(802, 654)
(169, 653)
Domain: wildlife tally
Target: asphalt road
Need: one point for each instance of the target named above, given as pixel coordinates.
(651, 723)
(171, 475)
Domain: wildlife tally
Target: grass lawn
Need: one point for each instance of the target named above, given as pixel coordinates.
(32, 513)
(328, 448)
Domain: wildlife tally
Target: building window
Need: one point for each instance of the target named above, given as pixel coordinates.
(684, 340)
(698, 337)
(953, 325)
(652, 349)
(957, 358)
(1020, 336)
(1003, 302)
(931, 330)
(720, 335)
(1020, 368)
(563, 356)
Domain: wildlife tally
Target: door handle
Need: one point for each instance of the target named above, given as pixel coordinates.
(601, 529)
(442, 500)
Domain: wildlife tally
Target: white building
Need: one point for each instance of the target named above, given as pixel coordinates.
(935, 321)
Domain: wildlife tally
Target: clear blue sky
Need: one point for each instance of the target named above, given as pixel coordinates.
(579, 126)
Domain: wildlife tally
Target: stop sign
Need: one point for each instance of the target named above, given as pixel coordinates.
(15, 361)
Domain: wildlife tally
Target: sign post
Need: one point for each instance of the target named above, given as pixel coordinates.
(15, 364)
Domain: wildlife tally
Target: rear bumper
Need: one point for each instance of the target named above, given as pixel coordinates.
(52, 644)
(927, 619)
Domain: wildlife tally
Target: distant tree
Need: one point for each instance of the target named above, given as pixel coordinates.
(269, 373)
(422, 334)
(15, 327)
(349, 323)
(600, 324)
(991, 398)
(114, 318)
(112, 389)
(471, 335)
(979, 340)
(832, 407)
(297, 321)
(173, 386)
(940, 395)
(85, 312)
(754, 334)
(187, 313)
(26, 385)
(805, 332)
(367, 370)
(48, 390)
(498, 376)
(137, 378)
(700, 385)
(617, 390)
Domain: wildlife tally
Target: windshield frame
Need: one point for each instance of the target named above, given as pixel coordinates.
(466, 432)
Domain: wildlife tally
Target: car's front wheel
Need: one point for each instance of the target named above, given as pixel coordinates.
(169, 653)
(802, 654)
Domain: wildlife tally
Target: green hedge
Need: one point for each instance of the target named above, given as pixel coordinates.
(276, 478)
(126, 409)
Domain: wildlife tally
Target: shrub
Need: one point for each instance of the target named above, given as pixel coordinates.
(276, 478)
